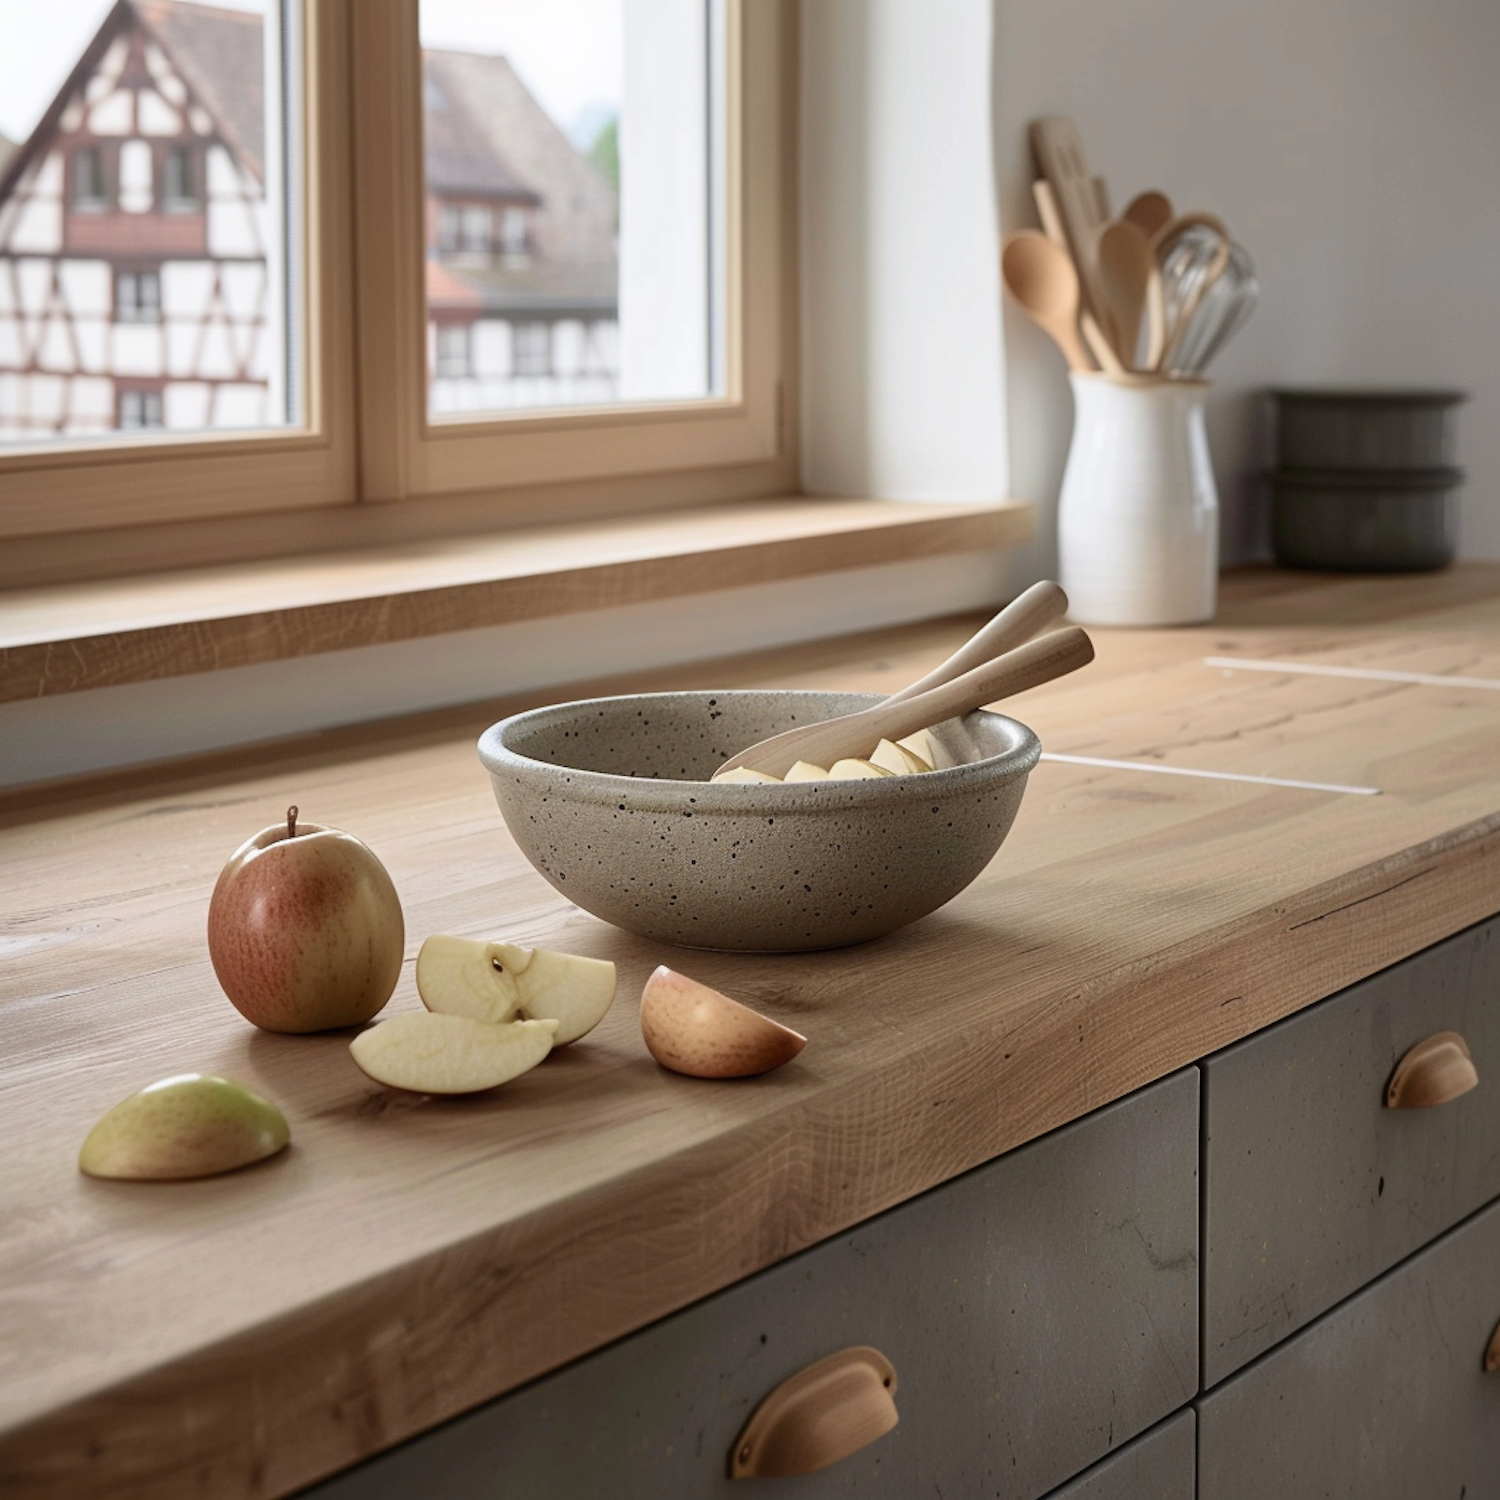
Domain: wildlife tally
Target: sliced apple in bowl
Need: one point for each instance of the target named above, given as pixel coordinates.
(436, 1054)
(458, 976)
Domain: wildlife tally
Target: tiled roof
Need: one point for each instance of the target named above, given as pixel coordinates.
(219, 53)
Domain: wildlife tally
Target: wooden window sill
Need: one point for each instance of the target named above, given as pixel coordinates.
(68, 638)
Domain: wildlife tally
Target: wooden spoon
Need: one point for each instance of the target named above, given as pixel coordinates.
(1039, 605)
(1126, 265)
(1149, 211)
(1093, 334)
(857, 734)
(1042, 278)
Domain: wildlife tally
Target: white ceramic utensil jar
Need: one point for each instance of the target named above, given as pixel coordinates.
(1138, 518)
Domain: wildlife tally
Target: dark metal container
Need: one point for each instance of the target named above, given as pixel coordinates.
(1365, 522)
(1371, 429)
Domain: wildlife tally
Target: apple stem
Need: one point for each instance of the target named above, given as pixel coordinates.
(291, 822)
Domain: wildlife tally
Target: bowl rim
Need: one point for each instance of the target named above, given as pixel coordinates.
(498, 758)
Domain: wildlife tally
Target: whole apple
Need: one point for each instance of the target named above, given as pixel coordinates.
(305, 929)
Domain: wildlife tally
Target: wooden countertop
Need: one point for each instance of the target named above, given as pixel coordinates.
(409, 1258)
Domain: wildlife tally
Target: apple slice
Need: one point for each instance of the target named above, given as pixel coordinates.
(743, 773)
(435, 1054)
(854, 769)
(193, 1125)
(805, 770)
(922, 743)
(495, 982)
(898, 759)
(693, 1029)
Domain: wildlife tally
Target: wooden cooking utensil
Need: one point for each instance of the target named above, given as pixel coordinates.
(1061, 160)
(1046, 208)
(1041, 277)
(1026, 614)
(1150, 210)
(1126, 266)
(1028, 666)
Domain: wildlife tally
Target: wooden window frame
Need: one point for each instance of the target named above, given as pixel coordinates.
(55, 491)
(362, 100)
(406, 455)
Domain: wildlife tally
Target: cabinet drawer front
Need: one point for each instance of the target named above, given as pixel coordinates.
(1162, 1465)
(1312, 1187)
(1039, 1311)
(1385, 1399)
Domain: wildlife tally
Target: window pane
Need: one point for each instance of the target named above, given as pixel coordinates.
(147, 168)
(575, 222)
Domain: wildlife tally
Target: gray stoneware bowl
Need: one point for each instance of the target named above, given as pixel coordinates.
(609, 799)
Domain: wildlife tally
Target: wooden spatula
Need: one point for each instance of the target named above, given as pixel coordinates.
(1061, 160)
(857, 734)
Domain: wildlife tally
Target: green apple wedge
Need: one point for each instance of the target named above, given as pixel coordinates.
(458, 976)
(191, 1125)
(436, 1054)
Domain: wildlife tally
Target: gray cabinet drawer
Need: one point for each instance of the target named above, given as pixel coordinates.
(1385, 1399)
(1311, 1186)
(1039, 1311)
(1161, 1465)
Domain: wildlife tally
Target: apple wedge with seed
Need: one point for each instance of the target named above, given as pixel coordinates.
(435, 1054)
(458, 976)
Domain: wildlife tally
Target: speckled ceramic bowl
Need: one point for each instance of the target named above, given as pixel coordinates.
(608, 798)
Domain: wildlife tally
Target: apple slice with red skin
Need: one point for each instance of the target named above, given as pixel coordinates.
(435, 1054)
(693, 1029)
(460, 976)
(305, 929)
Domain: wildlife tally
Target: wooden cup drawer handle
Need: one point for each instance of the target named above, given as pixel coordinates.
(1433, 1072)
(819, 1415)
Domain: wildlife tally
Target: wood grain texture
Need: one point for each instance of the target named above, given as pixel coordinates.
(69, 638)
(409, 1258)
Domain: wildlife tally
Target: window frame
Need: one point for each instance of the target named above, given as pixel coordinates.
(76, 486)
(379, 445)
(405, 454)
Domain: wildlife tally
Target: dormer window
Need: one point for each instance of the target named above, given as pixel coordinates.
(90, 184)
(515, 232)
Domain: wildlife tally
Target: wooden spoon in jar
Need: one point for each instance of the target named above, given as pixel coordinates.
(1127, 267)
(1041, 276)
(856, 734)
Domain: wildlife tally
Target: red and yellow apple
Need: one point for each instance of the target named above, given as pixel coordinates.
(305, 929)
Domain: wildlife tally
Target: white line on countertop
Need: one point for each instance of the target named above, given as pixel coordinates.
(1141, 765)
(1373, 674)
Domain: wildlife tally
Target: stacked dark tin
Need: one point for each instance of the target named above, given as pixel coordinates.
(1365, 479)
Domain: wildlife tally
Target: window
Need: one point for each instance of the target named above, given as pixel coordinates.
(179, 181)
(452, 354)
(138, 300)
(514, 232)
(139, 408)
(474, 229)
(272, 264)
(532, 349)
(90, 186)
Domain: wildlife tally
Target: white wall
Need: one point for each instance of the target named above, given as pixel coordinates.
(1353, 147)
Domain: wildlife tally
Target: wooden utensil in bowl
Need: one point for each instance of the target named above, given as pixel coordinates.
(1053, 655)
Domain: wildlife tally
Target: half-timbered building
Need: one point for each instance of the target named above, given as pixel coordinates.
(141, 279)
